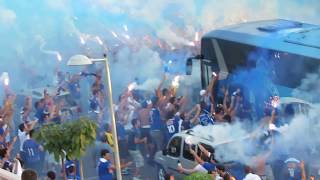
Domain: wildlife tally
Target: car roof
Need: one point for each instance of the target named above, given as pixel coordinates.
(279, 34)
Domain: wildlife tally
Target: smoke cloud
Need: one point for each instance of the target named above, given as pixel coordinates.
(69, 28)
(231, 141)
(7, 16)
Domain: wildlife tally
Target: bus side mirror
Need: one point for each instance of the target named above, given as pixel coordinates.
(189, 66)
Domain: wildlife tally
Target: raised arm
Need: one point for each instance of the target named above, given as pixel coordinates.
(184, 170)
(194, 109)
(273, 116)
(225, 99)
(204, 150)
(195, 117)
(28, 104)
(196, 157)
(210, 88)
(234, 100)
(122, 165)
(303, 171)
(172, 91)
(10, 147)
(158, 90)
(33, 124)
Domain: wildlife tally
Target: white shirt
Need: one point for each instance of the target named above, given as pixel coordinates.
(23, 136)
(18, 167)
(200, 168)
(7, 138)
(251, 176)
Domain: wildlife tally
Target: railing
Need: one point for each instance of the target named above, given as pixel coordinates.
(6, 175)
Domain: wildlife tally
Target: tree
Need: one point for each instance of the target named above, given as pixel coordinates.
(70, 138)
(198, 176)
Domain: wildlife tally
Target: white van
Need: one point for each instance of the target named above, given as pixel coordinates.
(177, 150)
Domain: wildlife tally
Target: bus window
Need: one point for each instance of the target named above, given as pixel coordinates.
(291, 69)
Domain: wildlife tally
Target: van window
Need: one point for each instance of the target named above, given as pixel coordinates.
(186, 151)
(174, 147)
(208, 148)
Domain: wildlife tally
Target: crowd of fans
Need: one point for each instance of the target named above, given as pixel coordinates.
(157, 117)
(145, 122)
(55, 105)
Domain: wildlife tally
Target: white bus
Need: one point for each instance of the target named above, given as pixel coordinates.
(291, 49)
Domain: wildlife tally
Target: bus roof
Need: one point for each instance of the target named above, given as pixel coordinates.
(280, 35)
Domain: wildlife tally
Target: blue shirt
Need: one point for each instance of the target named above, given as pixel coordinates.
(40, 115)
(7, 165)
(209, 166)
(31, 150)
(186, 125)
(72, 177)
(1, 131)
(105, 173)
(205, 119)
(93, 103)
(134, 134)
(72, 163)
(296, 174)
(174, 125)
(121, 131)
(155, 117)
(207, 101)
(73, 87)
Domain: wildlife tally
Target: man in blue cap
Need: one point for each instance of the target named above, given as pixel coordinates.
(293, 170)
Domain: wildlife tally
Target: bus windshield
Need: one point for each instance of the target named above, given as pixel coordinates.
(286, 69)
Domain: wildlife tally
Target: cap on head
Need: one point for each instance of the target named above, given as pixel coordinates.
(202, 92)
(46, 112)
(70, 165)
(292, 160)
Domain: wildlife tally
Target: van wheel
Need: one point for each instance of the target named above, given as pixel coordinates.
(161, 173)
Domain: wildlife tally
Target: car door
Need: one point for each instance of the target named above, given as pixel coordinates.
(173, 155)
(187, 159)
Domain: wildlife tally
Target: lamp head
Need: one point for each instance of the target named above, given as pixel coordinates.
(79, 60)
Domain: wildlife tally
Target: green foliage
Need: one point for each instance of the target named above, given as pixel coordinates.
(198, 176)
(71, 137)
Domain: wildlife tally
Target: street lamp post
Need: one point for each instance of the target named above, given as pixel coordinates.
(80, 60)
